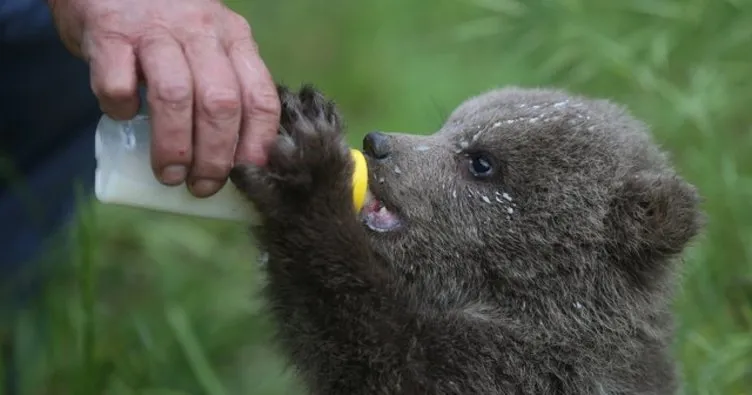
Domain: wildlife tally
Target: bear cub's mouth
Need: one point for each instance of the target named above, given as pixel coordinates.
(377, 217)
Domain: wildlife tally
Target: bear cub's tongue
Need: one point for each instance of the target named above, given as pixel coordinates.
(376, 216)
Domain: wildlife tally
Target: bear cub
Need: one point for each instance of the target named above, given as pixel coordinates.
(529, 246)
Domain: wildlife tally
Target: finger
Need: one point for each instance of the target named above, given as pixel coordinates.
(113, 75)
(261, 106)
(170, 98)
(218, 110)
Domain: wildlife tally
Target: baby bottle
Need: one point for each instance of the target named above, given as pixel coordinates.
(124, 177)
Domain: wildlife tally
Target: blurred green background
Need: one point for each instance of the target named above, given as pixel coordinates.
(161, 304)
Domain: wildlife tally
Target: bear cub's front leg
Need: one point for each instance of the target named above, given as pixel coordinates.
(322, 280)
(307, 177)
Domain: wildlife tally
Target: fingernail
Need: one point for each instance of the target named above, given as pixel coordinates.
(204, 188)
(174, 174)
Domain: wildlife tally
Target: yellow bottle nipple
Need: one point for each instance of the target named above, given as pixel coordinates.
(359, 179)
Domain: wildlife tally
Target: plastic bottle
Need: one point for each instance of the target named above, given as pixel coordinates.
(124, 176)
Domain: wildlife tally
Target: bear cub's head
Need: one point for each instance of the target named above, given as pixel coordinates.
(530, 202)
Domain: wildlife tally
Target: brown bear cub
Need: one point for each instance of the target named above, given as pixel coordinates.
(529, 246)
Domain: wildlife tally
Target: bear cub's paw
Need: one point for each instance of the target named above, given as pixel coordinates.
(309, 165)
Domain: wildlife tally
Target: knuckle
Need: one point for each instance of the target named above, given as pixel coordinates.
(240, 26)
(108, 23)
(221, 103)
(152, 37)
(265, 103)
(201, 17)
(175, 94)
(240, 33)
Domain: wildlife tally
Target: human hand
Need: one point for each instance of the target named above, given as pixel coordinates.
(209, 92)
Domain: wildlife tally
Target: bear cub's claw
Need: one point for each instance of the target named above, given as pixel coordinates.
(309, 163)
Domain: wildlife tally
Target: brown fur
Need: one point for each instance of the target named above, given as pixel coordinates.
(552, 275)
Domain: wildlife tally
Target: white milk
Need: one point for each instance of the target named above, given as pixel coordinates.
(124, 176)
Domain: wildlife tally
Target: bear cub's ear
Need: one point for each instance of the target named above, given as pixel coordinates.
(652, 218)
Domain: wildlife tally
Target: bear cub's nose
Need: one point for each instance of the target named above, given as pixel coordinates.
(376, 145)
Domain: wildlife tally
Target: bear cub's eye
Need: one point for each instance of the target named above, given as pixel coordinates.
(481, 165)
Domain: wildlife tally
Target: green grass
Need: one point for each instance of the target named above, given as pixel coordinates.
(161, 304)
